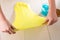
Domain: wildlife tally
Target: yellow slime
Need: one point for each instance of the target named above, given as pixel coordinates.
(25, 18)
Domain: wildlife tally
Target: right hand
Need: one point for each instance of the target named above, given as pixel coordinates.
(51, 17)
(6, 27)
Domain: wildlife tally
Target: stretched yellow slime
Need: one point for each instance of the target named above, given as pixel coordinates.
(25, 18)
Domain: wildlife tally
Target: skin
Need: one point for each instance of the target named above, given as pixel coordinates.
(51, 18)
(5, 26)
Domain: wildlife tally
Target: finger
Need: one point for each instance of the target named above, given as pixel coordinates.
(7, 32)
(54, 22)
(50, 22)
(12, 31)
(12, 27)
(45, 21)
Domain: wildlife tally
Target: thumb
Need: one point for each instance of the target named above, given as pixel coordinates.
(50, 22)
(45, 21)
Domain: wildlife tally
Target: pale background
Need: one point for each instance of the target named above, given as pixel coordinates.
(43, 33)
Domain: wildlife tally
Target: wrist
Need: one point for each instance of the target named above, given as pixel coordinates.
(52, 11)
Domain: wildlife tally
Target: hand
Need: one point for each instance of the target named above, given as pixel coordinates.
(6, 27)
(51, 18)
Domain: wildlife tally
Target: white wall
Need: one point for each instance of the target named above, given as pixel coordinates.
(58, 4)
(43, 33)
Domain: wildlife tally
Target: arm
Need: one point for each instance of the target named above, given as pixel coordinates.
(4, 24)
(52, 7)
(52, 16)
(2, 18)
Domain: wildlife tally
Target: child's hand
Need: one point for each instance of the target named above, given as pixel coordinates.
(6, 27)
(4, 24)
(51, 17)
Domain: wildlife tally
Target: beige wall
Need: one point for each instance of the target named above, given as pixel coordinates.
(43, 33)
